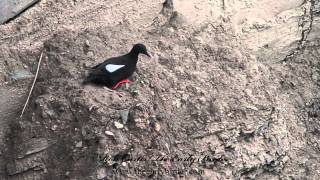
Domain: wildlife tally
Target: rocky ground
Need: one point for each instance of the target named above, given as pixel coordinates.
(232, 85)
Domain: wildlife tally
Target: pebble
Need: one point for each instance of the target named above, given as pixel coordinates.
(118, 125)
(109, 133)
(135, 92)
(90, 54)
(124, 116)
(101, 173)
(54, 127)
(87, 43)
(157, 126)
(202, 99)
(124, 164)
(21, 74)
(79, 144)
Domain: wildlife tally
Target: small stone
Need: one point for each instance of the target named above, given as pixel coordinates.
(202, 99)
(54, 127)
(157, 126)
(124, 116)
(87, 43)
(90, 54)
(21, 74)
(79, 144)
(135, 92)
(124, 164)
(177, 103)
(91, 108)
(118, 125)
(109, 133)
(101, 173)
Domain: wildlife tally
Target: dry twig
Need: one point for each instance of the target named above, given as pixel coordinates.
(34, 81)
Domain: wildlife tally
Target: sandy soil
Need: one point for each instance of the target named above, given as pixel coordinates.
(236, 81)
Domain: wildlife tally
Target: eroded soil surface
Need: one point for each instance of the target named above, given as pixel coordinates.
(233, 85)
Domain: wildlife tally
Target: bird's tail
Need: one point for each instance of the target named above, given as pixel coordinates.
(86, 81)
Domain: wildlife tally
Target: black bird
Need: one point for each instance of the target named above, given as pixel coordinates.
(115, 71)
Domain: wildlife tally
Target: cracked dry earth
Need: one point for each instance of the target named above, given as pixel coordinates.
(233, 84)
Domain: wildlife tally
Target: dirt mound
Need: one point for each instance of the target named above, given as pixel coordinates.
(203, 107)
(198, 98)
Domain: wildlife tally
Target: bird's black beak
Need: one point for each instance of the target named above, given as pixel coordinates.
(147, 54)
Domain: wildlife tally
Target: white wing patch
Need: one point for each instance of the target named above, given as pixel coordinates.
(113, 67)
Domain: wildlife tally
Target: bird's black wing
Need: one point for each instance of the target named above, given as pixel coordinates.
(95, 67)
(113, 60)
(100, 75)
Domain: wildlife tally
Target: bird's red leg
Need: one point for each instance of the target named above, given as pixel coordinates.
(120, 83)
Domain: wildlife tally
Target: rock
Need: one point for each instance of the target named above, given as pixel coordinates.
(101, 173)
(124, 164)
(202, 99)
(33, 146)
(20, 166)
(90, 54)
(54, 127)
(109, 133)
(118, 125)
(157, 126)
(135, 92)
(79, 144)
(20, 74)
(124, 116)
(87, 43)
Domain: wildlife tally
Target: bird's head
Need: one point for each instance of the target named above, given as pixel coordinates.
(139, 48)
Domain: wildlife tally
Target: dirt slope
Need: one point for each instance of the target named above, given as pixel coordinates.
(233, 84)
